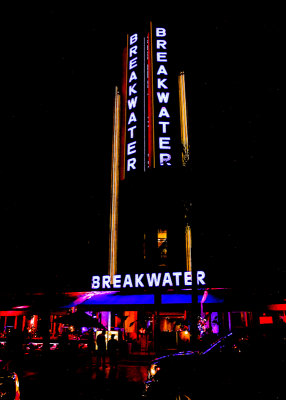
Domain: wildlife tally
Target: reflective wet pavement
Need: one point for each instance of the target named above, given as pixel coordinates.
(73, 376)
(76, 376)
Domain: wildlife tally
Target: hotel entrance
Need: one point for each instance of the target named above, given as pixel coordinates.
(150, 323)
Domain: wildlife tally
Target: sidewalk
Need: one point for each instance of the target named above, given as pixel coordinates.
(137, 358)
(77, 376)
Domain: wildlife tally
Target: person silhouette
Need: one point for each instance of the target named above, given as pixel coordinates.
(101, 349)
(112, 347)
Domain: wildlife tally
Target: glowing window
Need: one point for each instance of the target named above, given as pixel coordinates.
(162, 246)
(161, 237)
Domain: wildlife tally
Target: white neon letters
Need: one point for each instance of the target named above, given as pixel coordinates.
(132, 91)
(131, 148)
(163, 97)
(148, 115)
(160, 279)
(164, 143)
(160, 32)
(133, 39)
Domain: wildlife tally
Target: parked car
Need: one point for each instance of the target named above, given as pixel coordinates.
(233, 367)
(9, 383)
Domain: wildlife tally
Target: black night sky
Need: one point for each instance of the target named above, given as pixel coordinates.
(61, 65)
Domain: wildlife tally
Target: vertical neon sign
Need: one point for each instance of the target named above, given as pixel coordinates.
(162, 117)
(132, 100)
(147, 113)
(135, 104)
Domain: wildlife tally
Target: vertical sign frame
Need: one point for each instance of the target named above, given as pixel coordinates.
(162, 115)
(148, 118)
(135, 105)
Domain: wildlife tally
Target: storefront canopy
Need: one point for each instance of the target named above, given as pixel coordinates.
(104, 299)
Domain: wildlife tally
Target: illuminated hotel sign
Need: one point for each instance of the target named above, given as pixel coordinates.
(134, 103)
(147, 280)
(146, 140)
(161, 93)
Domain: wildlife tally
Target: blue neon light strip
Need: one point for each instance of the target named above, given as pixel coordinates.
(114, 298)
(187, 298)
(120, 299)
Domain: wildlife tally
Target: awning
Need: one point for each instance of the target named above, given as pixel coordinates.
(118, 298)
(112, 298)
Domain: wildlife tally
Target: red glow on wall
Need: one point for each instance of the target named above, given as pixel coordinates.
(265, 320)
(277, 307)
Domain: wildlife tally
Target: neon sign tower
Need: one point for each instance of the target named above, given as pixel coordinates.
(149, 114)
(147, 129)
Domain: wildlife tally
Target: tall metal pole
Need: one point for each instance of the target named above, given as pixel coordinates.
(190, 267)
(183, 119)
(114, 194)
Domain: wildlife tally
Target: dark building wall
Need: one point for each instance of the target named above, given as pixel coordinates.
(155, 201)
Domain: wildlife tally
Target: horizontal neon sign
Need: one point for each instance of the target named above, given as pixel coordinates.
(147, 280)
